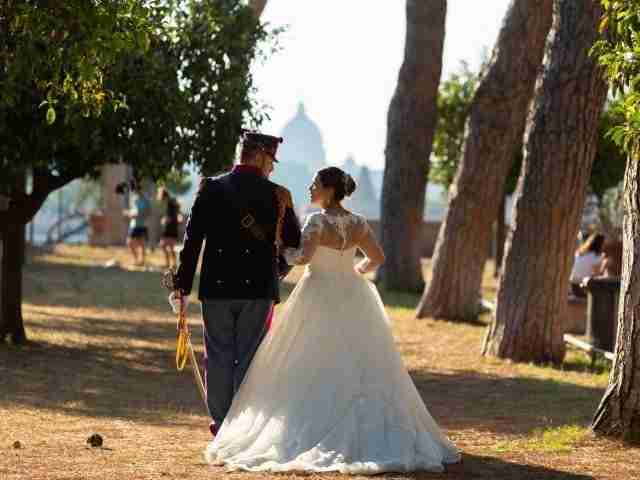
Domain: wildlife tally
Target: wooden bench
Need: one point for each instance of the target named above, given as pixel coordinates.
(602, 316)
(592, 350)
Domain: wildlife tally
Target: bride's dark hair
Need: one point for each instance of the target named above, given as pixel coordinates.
(342, 183)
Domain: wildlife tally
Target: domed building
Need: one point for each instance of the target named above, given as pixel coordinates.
(301, 154)
(303, 143)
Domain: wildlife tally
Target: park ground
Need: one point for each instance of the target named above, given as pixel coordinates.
(101, 360)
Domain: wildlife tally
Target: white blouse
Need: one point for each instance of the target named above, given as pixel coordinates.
(583, 266)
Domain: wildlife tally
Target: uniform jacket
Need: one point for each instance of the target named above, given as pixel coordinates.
(235, 264)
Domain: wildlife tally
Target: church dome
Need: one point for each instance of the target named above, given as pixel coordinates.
(303, 142)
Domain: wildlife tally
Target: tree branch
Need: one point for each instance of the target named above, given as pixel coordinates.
(23, 207)
(258, 6)
(58, 226)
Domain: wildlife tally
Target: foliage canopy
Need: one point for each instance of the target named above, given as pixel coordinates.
(455, 100)
(61, 52)
(454, 104)
(177, 85)
(619, 54)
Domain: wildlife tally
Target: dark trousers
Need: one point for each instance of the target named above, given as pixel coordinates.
(233, 330)
(578, 291)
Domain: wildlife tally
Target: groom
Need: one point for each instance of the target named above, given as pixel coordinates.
(244, 218)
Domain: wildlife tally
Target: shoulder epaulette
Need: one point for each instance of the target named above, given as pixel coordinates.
(284, 201)
(284, 196)
(209, 181)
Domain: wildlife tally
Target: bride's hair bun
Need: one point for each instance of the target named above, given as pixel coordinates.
(342, 183)
(349, 185)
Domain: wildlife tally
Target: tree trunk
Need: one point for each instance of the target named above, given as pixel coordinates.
(4, 205)
(258, 7)
(495, 126)
(411, 123)
(13, 221)
(501, 235)
(12, 261)
(618, 414)
(560, 145)
(11, 323)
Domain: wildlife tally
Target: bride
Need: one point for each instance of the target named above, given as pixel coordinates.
(327, 389)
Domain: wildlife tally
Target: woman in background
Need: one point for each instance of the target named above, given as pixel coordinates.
(138, 232)
(170, 221)
(611, 265)
(586, 262)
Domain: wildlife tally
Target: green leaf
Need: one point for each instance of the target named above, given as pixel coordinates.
(51, 116)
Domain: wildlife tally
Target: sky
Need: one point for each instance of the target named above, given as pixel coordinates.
(341, 58)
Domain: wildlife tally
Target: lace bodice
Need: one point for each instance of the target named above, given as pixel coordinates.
(338, 237)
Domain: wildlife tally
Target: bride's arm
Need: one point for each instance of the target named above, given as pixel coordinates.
(374, 256)
(309, 242)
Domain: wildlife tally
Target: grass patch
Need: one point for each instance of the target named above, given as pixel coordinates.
(558, 440)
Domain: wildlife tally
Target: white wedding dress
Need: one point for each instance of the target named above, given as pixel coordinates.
(327, 389)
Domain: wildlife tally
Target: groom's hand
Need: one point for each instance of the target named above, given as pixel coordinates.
(178, 301)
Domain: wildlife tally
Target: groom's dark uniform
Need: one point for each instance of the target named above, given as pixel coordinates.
(239, 279)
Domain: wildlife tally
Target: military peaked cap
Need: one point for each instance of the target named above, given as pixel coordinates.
(266, 143)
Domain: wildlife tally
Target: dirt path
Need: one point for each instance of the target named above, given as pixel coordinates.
(103, 361)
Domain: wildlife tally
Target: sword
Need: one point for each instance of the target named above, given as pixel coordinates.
(184, 347)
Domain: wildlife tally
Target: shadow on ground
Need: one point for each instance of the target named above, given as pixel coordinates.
(115, 381)
(120, 358)
(98, 361)
(469, 399)
(477, 467)
(131, 373)
(80, 286)
(119, 365)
